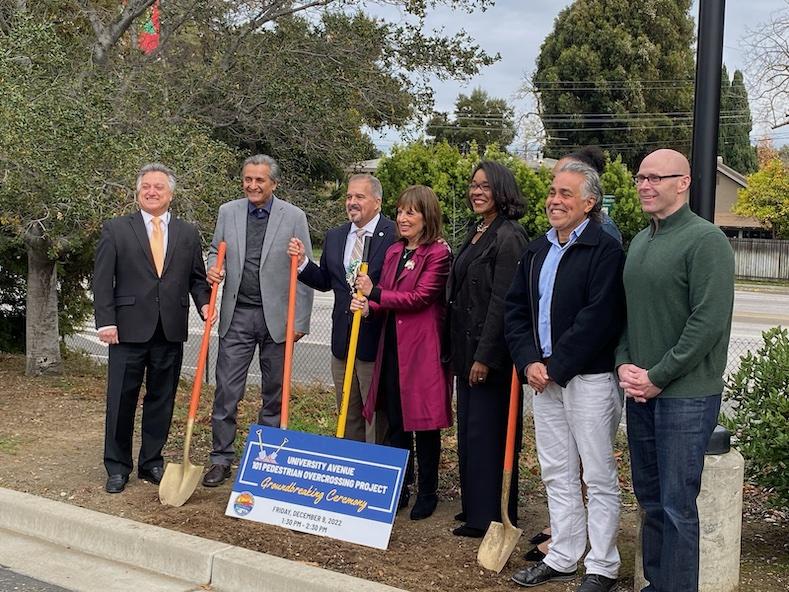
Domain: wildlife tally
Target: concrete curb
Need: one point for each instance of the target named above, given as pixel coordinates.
(175, 554)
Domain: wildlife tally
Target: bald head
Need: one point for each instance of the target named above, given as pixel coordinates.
(663, 181)
(671, 159)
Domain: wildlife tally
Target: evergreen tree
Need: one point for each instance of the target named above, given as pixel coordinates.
(734, 142)
(478, 118)
(618, 76)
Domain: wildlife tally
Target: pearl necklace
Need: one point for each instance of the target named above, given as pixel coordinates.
(482, 227)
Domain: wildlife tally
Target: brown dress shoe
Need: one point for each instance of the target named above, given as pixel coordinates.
(216, 475)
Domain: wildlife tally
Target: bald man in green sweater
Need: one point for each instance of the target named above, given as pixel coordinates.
(679, 283)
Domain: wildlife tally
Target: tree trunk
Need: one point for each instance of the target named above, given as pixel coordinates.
(41, 324)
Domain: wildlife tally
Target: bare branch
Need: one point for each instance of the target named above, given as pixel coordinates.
(107, 35)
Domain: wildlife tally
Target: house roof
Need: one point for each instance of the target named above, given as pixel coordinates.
(363, 166)
(729, 220)
(732, 174)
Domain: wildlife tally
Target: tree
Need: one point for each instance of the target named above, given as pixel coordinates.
(626, 213)
(438, 165)
(734, 130)
(83, 109)
(767, 197)
(443, 168)
(69, 156)
(783, 154)
(768, 66)
(478, 118)
(617, 77)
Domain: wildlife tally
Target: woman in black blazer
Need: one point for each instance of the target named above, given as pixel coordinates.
(481, 276)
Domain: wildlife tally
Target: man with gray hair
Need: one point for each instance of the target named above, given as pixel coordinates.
(147, 265)
(256, 229)
(564, 314)
(342, 251)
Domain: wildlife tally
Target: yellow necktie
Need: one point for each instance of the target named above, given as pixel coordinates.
(157, 245)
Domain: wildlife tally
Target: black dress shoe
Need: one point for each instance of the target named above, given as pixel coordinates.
(596, 583)
(116, 483)
(153, 475)
(539, 574)
(460, 516)
(424, 507)
(540, 537)
(469, 531)
(534, 555)
(216, 475)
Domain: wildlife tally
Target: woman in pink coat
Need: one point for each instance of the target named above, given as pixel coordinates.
(410, 384)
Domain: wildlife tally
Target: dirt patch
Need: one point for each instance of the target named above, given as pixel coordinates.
(51, 434)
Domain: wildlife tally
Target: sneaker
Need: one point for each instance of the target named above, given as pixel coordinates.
(539, 573)
(596, 583)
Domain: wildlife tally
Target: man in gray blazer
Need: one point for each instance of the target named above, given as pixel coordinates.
(254, 302)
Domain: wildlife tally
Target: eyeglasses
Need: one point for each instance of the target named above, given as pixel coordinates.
(654, 179)
(474, 186)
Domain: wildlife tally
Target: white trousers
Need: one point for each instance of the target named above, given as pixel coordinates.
(577, 424)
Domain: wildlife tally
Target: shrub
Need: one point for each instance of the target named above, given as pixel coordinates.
(760, 420)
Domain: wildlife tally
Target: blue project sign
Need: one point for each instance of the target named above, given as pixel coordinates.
(326, 486)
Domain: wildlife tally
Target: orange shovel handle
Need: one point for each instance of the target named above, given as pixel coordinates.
(509, 451)
(290, 338)
(202, 357)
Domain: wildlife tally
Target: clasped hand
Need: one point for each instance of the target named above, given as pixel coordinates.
(635, 381)
(537, 376)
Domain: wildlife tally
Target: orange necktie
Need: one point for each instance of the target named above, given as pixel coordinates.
(157, 245)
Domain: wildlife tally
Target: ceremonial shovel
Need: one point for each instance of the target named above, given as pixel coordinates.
(500, 540)
(180, 481)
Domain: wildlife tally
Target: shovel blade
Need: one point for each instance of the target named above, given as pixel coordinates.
(179, 483)
(498, 545)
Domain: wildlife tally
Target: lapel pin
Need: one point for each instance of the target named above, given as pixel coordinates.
(380, 234)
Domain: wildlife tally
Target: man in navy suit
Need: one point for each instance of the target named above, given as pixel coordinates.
(147, 265)
(336, 271)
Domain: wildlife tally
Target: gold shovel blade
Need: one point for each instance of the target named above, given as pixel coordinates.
(179, 483)
(498, 545)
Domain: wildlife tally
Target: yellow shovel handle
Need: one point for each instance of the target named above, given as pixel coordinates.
(349, 362)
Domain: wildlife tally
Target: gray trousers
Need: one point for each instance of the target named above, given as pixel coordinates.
(236, 349)
(356, 427)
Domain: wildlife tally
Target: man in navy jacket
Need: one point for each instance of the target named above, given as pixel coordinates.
(336, 271)
(564, 314)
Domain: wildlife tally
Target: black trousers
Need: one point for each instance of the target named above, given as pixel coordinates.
(482, 412)
(428, 442)
(159, 362)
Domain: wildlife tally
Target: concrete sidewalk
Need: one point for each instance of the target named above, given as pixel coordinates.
(87, 551)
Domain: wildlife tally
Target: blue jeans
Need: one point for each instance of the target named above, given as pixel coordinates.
(667, 439)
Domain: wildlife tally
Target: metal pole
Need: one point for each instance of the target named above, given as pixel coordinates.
(706, 108)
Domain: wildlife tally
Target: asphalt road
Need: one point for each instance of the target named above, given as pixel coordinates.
(10, 580)
(755, 310)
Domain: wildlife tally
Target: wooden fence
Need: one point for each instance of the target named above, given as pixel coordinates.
(760, 259)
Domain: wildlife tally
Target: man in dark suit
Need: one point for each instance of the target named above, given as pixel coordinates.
(342, 251)
(257, 229)
(147, 265)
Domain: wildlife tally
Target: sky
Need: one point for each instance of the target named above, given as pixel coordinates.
(516, 28)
